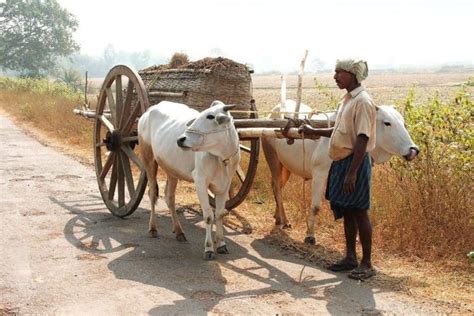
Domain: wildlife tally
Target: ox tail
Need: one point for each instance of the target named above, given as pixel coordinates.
(151, 167)
(157, 189)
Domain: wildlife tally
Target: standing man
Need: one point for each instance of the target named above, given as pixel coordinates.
(348, 187)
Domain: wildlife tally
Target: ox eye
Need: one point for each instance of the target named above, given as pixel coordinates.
(210, 117)
(387, 123)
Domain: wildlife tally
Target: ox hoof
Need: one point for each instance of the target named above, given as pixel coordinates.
(181, 237)
(310, 240)
(286, 226)
(222, 249)
(153, 233)
(209, 255)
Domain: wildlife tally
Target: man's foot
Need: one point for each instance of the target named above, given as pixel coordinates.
(362, 273)
(343, 265)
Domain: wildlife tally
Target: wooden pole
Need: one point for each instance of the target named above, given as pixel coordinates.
(85, 93)
(249, 133)
(275, 123)
(283, 94)
(299, 87)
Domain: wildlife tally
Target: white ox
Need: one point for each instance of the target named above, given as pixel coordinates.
(197, 147)
(392, 138)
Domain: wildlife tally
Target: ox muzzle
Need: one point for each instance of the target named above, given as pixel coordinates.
(412, 153)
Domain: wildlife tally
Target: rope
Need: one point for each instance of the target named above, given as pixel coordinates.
(304, 182)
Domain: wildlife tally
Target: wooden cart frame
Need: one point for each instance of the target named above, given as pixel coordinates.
(120, 173)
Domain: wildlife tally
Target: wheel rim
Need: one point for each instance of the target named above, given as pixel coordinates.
(120, 173)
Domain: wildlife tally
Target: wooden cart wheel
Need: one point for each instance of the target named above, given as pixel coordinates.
(120, 173)
(243, 178)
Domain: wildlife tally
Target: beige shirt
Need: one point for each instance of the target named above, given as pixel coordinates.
(356, 116)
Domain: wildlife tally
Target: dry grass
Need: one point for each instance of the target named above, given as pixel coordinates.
(402, 258)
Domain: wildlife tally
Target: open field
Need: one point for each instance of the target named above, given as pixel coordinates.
(445, 277)
(386, 88)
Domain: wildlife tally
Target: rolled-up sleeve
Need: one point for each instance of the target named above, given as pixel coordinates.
(364, 122)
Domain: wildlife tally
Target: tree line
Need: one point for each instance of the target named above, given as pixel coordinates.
(36, 41)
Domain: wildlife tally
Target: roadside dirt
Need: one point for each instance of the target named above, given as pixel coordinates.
(62, 252)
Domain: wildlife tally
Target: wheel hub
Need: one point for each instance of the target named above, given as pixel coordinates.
(112, 141)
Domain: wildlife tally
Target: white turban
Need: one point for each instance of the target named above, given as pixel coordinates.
(357, 67)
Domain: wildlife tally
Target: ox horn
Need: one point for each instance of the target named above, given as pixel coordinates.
(216, 102)
(229, 107)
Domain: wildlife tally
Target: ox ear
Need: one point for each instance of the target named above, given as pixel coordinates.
(229, 107)
(222, 118)
(190, 122)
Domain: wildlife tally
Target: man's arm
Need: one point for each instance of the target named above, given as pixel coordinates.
(360, 149)
(310, 131)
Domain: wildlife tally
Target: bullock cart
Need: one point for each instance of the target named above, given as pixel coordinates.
(125, 95)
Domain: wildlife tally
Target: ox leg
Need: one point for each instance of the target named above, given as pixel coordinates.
(208, 214)
(220, 213)
(317, 187)
(151, 168)
(279, 178)
(170, 192)
(285, 175)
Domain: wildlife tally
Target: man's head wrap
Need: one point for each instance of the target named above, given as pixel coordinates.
(357, 67)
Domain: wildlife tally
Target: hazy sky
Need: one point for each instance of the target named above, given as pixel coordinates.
(272, 34)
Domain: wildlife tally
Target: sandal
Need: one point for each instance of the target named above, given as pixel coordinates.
(341, 266)
(361, 274)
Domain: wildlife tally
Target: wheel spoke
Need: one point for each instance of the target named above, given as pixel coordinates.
(107, 123)
(112, 106)
(113, 180)
(125, 129)
(130, 139)
(128, 103)
(107, 165)
(129, 152)
(118, 99)
(240, 174)
(245, 148)
(121, 182)
(128, 174)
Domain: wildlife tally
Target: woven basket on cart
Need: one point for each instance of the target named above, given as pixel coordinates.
(197, 84)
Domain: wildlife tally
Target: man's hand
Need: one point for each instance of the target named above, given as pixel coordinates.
(314, 133)
(349, 182)
(309, 131)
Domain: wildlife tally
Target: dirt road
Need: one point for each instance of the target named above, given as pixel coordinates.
(62, 252)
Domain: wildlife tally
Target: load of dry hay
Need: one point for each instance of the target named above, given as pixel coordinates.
(199, 83)
(218, 64)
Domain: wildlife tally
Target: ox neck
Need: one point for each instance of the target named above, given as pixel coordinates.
(230, 148)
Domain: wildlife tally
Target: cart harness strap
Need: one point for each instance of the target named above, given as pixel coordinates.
(205, 134)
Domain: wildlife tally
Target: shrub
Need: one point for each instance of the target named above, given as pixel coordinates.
(470, 82)
(38, 86)
(72, 78)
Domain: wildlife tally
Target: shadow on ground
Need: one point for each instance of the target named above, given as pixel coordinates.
(199, 284)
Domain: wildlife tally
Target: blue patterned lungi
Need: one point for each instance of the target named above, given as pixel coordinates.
(359, 199)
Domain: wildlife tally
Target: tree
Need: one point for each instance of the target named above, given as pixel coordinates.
(33, 34)
(72, 78)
